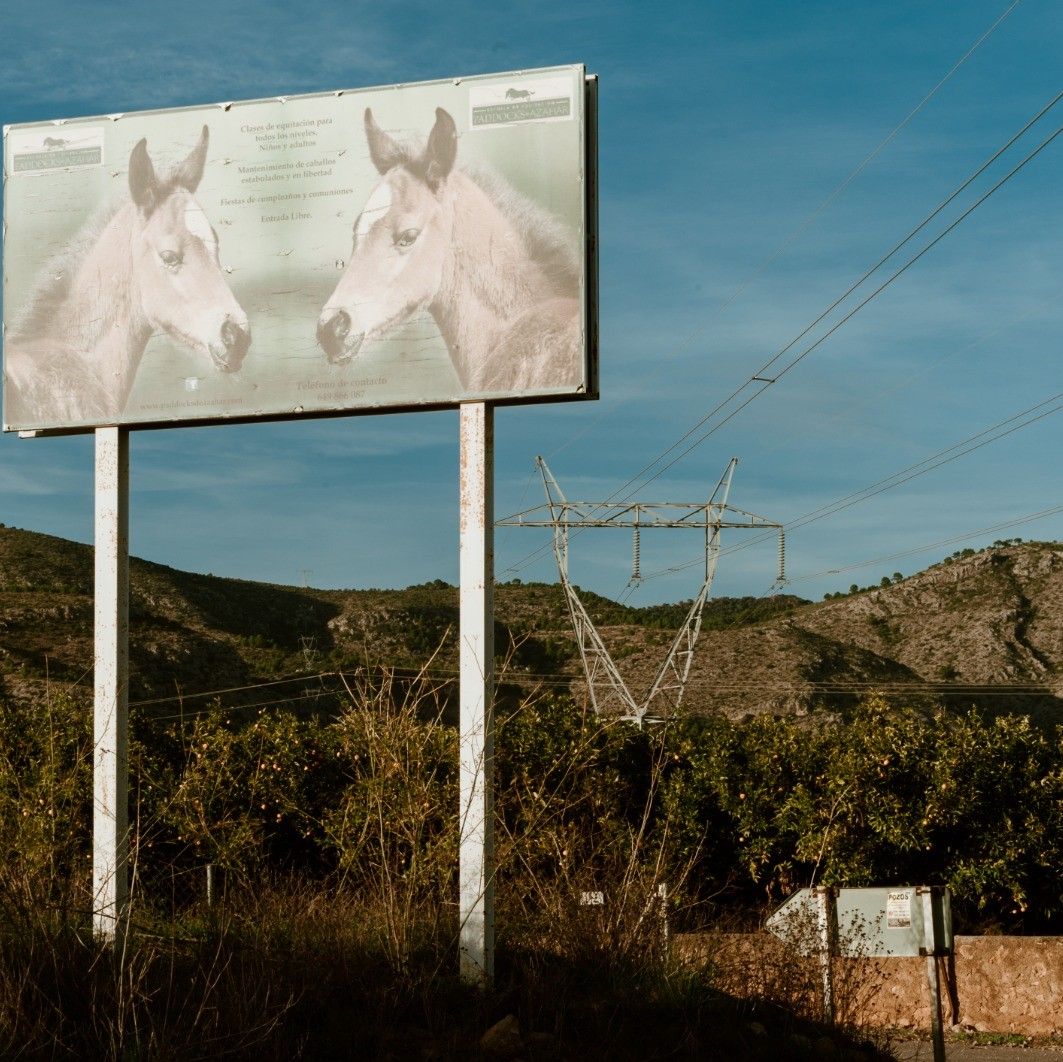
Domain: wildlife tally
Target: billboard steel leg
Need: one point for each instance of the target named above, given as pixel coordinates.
(110, 825)
(827, 932)
(476, 899)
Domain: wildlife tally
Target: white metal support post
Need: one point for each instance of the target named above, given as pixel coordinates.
(476, 857)
(827, 932)
(110, 825)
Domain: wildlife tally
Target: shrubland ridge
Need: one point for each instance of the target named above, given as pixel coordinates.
(981, 627)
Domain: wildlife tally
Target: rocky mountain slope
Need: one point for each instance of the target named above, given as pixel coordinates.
(986, 628)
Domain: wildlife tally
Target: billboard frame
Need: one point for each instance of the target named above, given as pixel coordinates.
(590, 295)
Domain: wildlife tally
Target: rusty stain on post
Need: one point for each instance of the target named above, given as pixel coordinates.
(110, 829)
(476, 722)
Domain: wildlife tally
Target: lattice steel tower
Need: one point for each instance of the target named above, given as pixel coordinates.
(609, 692)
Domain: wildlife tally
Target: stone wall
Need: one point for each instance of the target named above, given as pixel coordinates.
(993, 984)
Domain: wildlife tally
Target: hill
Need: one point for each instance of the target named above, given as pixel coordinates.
(984, 628)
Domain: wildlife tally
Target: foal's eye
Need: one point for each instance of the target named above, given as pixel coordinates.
(171, 259)
(407, 238)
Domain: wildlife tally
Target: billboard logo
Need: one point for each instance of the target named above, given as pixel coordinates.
(532, 100)
(33, 151)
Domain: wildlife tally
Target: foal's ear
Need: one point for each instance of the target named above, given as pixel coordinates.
(441, 149)
(384, 152)
(190, 172)
(143, 184)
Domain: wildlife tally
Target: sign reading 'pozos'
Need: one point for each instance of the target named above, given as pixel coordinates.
(393, 248)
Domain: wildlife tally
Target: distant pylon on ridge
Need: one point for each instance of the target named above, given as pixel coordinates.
(608, 691)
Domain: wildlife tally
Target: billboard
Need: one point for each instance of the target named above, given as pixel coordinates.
(354, 251)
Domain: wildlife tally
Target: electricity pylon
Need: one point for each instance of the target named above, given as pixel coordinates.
(609, 692)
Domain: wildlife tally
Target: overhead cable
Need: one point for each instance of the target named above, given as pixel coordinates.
(816, 214)
(766, 381)
(994, 432)
(641, 479)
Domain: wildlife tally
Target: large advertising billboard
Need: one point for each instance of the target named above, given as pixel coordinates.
(354, 251)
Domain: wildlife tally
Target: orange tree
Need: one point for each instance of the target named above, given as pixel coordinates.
(893, 795)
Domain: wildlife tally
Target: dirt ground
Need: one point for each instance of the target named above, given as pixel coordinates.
(923, 1051)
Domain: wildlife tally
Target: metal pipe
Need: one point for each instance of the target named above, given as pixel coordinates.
(110, 764)
(476, 887)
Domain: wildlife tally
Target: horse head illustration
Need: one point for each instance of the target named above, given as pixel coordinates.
(499, 276)
(150, 266)
(178, 276)
(400, 240)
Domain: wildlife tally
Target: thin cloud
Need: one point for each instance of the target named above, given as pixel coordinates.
(52, 483)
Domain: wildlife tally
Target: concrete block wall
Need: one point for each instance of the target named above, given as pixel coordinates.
(993, 984)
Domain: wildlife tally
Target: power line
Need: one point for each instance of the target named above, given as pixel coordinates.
(917, 470)
(195, 713)
(451, 675)
(928, 366)
(229, 689)
(966, 536)
(402, 671)
(859, 169)
(767, 382)
(963, 537)
(925, 687)
(794, 233)
(1002, 429)
(448, 676)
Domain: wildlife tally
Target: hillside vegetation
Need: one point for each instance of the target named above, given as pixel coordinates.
(984, 629)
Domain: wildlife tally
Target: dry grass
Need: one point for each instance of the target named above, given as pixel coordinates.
(361, 962)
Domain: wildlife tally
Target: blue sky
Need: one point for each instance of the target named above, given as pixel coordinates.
(724, 127)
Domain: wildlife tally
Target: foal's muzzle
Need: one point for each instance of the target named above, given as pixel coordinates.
(228, 350)
(335, 338)
(236, 340)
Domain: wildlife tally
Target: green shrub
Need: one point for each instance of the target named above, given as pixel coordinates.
(895, 795)
(743, 813)
(45, 803)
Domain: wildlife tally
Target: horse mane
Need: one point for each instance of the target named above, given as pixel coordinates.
(56, 277)
(548, 242)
